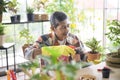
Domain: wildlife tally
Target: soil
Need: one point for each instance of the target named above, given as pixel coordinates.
(93, 52)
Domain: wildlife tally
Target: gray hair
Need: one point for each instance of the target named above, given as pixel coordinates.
(57, 17)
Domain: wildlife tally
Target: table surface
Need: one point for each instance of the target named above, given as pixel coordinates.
(92, 70)
(7, 45)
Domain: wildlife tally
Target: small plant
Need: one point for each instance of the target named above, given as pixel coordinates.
(39, 4)
(2, 27)
(30, 10)
(94, 45)
(3, 6)
(114, 33)
(13, 6)
(26, 35)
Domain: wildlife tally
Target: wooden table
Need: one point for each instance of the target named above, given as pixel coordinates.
(92, 70)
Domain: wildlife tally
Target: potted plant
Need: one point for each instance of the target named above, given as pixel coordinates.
(24, 34)
(3, 7)
(95, 47)
(30, 15)
(113, 58)
(39, 7)
(2, 27)
(13, 7)
(51, 71)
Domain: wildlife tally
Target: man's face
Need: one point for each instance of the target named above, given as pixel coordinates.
(62, 30)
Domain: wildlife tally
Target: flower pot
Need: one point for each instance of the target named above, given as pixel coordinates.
(18, 18)
(12, 18)
(105, 73)
(15, 18)
(92, 57)
(36, 17)
(30, 17)
(2, 40)
(44, 17)
(112, 59)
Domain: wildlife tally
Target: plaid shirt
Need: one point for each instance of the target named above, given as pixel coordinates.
(52, 40)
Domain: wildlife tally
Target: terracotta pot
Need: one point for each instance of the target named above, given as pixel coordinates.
(2, 39)
(36, 17)
(44, 17)
(92, 57)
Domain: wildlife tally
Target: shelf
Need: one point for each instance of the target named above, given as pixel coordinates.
(26, 22)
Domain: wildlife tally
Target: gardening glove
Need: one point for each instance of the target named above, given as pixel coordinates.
(57, 51)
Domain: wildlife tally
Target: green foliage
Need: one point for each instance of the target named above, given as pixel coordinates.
(30, 10)
(66, 6)
(114, 33)
(2, 27)
(67, 69)
(94, 45)
(12, 6)
(26, 35)
(3, 6)
(39, 4)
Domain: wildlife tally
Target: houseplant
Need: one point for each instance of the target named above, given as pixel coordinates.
(39, 5)
(2, 27)
(95, 47)
(13, 8)
(51, 71)
(113, 58)
(3, 7)
(24, 34)
(30, 15)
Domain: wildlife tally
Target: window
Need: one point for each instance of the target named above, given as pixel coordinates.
(91, 21)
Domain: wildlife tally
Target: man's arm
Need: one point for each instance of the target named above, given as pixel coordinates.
(32, 51)
(79, 48)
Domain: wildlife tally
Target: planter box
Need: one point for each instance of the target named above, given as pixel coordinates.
(38, 17)
(44, 17)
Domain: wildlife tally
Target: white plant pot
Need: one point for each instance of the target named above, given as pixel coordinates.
(2, 39)
(113, 61)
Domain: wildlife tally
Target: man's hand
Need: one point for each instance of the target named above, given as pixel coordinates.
(36, 45)
(36, 52)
